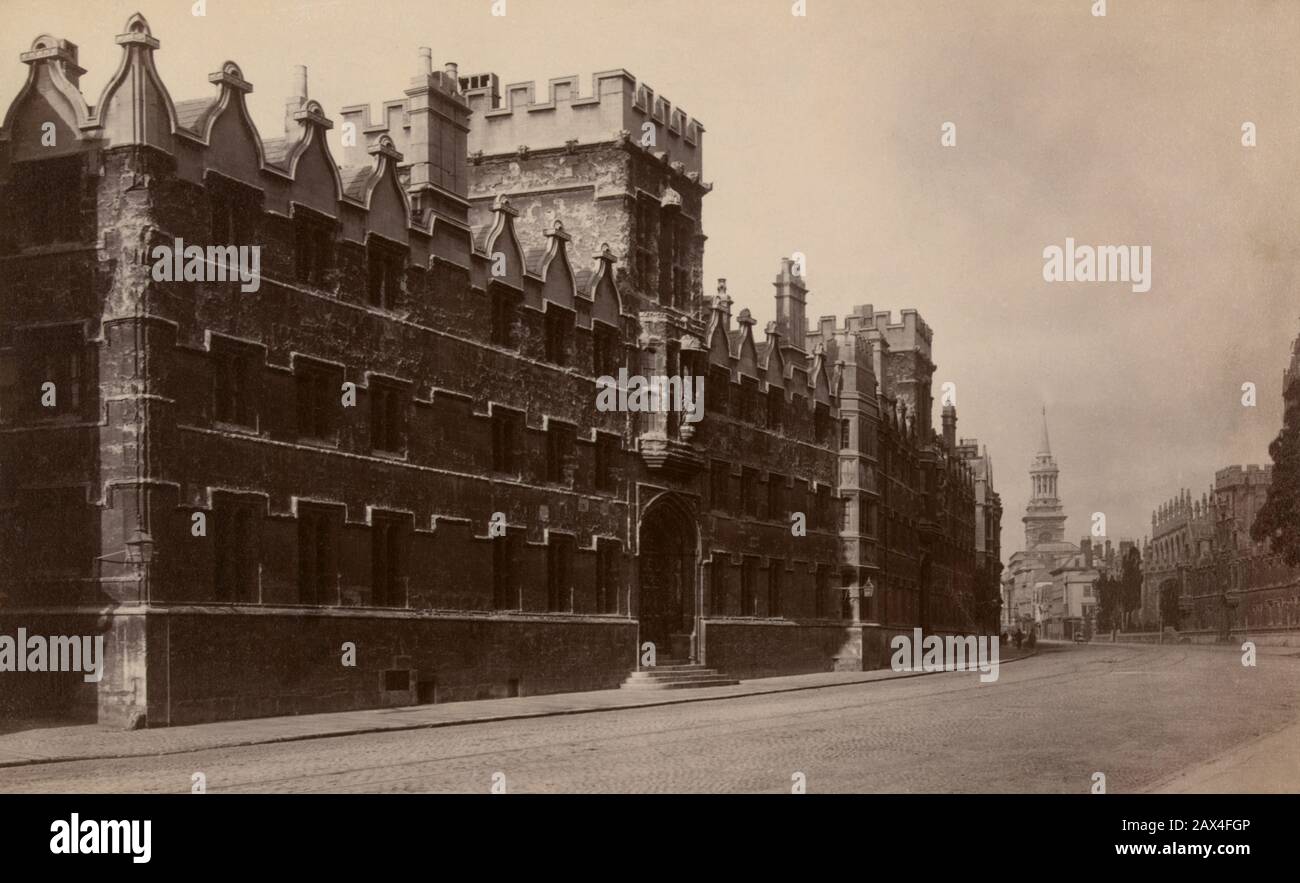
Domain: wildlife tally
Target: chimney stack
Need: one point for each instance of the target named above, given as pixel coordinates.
(435, 150)
(297, 98)
(950, 427)
(791, 295)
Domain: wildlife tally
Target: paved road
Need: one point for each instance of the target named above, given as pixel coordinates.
(1141, 715)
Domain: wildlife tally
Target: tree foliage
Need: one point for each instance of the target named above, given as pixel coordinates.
(1131, 580)
(1278, 521)
(1109, 591)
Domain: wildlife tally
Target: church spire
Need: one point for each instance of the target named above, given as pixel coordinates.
(1044, 515)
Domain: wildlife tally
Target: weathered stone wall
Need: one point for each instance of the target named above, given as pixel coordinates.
(767, 648)
(222, 664)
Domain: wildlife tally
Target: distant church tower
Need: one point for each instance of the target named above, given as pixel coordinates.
(1044, 516)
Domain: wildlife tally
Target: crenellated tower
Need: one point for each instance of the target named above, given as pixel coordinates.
(621, 165)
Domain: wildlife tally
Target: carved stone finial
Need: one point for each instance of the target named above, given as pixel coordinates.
(230, 75)
(384, 146)
(137, 31)
(557, 231)
(314, 113)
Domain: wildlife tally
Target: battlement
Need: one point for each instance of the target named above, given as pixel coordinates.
(908, 333)
(618, 106)
(430, 122)
(911, 332)
(1232, 476)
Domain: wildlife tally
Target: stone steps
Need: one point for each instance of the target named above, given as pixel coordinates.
(676, 675)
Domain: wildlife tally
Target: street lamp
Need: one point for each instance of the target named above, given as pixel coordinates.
(139, 551)
(139, 547)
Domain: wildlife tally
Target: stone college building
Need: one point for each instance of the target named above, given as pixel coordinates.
(339, 446)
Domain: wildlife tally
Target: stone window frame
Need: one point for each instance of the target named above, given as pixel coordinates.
(388, 401)
(320, 382)
(561, 452)
(236, 548)
(318, 530)
(560, 551)
(386, 265)
(389, 559)
(314, 247)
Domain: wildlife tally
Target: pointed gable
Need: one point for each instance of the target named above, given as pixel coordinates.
(746, 352)
(820, 381)
(773, 361)
(134, 107)
(607, 305)
(502, 245)
(309, 162)
(558, 285)
(719, 351)
(234, 147)
(716, 334)
(50, 95)
(384, 197)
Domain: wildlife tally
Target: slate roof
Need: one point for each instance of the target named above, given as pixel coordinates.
(192, 113)
(354, 180)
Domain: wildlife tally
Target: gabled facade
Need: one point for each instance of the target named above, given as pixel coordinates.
(377, 473)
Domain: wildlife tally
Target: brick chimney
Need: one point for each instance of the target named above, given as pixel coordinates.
(297, 98)
(791, 295)
(436, 151)
(950, 427)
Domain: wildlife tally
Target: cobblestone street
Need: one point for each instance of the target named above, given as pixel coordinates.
(1141, 715)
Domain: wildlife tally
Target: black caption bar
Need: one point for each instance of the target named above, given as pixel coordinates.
(137, 833)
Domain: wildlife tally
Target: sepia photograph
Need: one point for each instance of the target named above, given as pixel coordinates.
(396, 400)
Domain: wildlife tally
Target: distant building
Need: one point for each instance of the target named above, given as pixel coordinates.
(1182, 537)
(1072, 598)
(988, 506)
(1027, 581)
(1202, 552)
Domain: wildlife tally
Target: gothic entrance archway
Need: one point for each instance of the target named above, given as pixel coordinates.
(666, 612)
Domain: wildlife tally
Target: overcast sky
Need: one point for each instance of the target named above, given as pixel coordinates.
(823, 136)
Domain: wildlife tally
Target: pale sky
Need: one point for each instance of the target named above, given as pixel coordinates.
(823, 136)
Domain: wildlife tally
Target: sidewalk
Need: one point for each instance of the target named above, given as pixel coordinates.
(93, 742)
(1268, 765)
